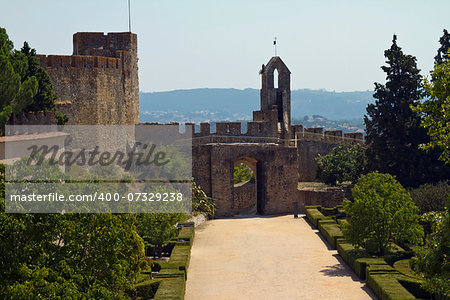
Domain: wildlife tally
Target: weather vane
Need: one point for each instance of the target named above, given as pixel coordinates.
(129, 17)
(275, 45)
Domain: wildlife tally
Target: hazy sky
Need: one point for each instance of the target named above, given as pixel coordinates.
(183, 44)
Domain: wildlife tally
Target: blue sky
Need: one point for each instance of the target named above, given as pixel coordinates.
(183, 44)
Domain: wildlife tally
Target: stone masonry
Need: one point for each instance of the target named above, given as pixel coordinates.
(99, 83)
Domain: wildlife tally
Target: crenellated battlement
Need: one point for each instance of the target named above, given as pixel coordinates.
(261, 132)
(27, 122)
(79, 62)
(100, 44)
(99, 83)
(328, 136)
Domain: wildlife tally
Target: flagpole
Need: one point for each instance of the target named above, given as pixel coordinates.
(275, 45)
(129, 17)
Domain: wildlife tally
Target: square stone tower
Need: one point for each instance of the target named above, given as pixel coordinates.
(276, 101)
(99, 83)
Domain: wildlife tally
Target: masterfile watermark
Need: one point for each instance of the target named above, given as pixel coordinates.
(94, 157)
(131, 168)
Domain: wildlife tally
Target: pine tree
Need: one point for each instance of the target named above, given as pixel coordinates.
(44, 100)
(393, 128)
(16, 89)
(445, 46)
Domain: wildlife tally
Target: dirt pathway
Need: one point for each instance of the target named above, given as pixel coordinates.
(267, 258)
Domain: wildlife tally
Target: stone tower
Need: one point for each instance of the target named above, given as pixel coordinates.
(277, 98)
(98, 84)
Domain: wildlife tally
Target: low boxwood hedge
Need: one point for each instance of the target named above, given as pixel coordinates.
(350, 254)
(331, 231)
(383, 281)
(314, 215)
(404, 267)
(414, 286)
(172, 272)
(147, 289)
(387, 282)
(362, 263)
(171, 289)
(186, 235)
(169, 282)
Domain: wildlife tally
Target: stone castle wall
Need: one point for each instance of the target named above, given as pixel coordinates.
(280, 165)
(98, 84)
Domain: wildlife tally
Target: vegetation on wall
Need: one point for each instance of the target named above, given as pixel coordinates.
(344, 163)
(201, 203)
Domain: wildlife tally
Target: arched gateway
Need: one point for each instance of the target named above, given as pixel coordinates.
(265, 148)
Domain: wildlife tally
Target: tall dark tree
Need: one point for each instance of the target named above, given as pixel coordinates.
(45, 98)
(393, 128)
(445, 46)
(16, 89)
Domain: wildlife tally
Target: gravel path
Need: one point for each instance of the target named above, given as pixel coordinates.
(260, 257)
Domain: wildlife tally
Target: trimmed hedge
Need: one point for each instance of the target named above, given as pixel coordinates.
(403, 266)
(362, 263)
(171, 272)
(350, 254)
(147, 289)
(319, 207)
(314, 215)
(186, 235)
(171, 289)
(330, 231)
(181, 256)
(383, 281)
(386, 282)
(170, 282)
(327, 211)
(414, 286)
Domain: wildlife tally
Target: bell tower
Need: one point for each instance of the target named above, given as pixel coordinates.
(277, 98)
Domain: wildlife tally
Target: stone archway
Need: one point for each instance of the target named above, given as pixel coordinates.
(247, 195)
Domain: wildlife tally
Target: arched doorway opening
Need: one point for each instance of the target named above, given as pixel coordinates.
(247, 186)
(275, 78)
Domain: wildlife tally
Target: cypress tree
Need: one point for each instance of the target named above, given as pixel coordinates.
(445, 46)
(393, 128)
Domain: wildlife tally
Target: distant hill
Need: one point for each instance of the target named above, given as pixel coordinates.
(205, 105)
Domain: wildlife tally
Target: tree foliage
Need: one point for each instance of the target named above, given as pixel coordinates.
(344, 163)
(24, 85)
(68, 255)
(201, 202)
(433, 259)
(443, 49)
(381, 213)
(16, 89)
(393, 128)
(431, 197)
(435, 109)
(242, 173)
(156, 229)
